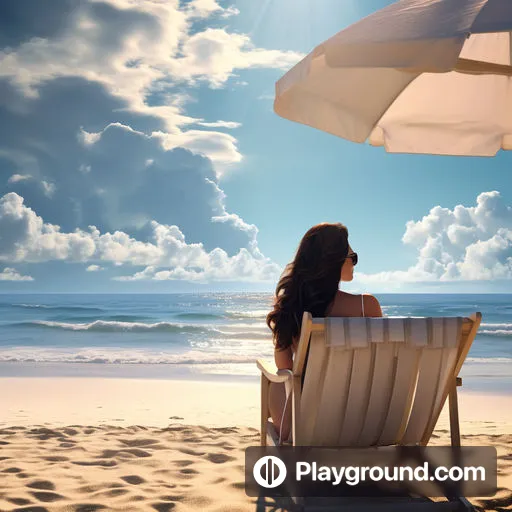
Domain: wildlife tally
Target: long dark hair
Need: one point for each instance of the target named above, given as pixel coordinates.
(309, 282)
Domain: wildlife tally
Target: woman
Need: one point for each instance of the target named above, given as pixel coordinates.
(310, 283)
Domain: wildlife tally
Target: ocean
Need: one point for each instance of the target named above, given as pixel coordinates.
(211, 335)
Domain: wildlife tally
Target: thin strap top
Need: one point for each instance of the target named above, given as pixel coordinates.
(362, 303)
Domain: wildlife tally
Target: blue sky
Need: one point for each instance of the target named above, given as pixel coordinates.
(139, 152)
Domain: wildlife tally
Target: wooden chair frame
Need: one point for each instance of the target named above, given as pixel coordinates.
(293, 383)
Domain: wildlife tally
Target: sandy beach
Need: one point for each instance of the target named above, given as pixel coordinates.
(85, 444)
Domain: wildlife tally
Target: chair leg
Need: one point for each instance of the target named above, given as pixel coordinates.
(454, 414)
(465, 505)
(265, 387)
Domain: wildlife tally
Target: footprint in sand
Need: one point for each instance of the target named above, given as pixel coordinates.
(44, 433)
(116, 485)
(18, 501)
(112, 493)
(188, 451)
(44, 485)
(163, 507)
(183, 463)
(47, 496)
(56, 458)
(133, 479)
(31, 509)
(88, 507)
(136, 452)
(189, 471)
(123, 452)
(12, 470)
(219, 458)
(138, 443)
(102, 463)
(88, 489)
(172, 497)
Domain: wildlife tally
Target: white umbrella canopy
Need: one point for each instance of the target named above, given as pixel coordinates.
(419, 76)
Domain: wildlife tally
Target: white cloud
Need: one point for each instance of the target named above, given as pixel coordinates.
(10, 274)
(230, 11)
(152, 52)
(16, 178)
(214, 54)
(205, 8)
(88, 138)
(463, 244)
(158, 48)
(217, 266)
(29, 239)
(220, 124)
(220, 148)
(94, 268)
(48, 188)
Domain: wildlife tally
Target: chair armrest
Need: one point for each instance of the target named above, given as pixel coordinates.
(271, 373)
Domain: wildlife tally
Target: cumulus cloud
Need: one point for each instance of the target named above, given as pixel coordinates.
(122, 179)
(468, 243)
(129, 46)
(205, 8)
(214, 54)
(10, 274)
(216, 266)
(220, 148)
(95, 137)
(137, 49)
(94, 268)
(167, 256)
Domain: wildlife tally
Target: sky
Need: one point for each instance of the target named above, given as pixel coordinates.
(139, 152)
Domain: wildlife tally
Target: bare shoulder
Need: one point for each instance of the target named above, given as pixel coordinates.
(371, 305)
(345, 295)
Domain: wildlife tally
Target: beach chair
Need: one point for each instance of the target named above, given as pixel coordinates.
(372, 382)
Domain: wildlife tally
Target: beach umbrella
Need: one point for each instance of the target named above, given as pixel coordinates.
(419, 76)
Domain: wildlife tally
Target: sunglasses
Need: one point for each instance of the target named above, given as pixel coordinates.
(353, 257)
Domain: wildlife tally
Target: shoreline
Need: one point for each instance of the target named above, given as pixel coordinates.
(479, 377)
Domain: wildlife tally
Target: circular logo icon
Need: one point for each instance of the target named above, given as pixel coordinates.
(269, 472)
